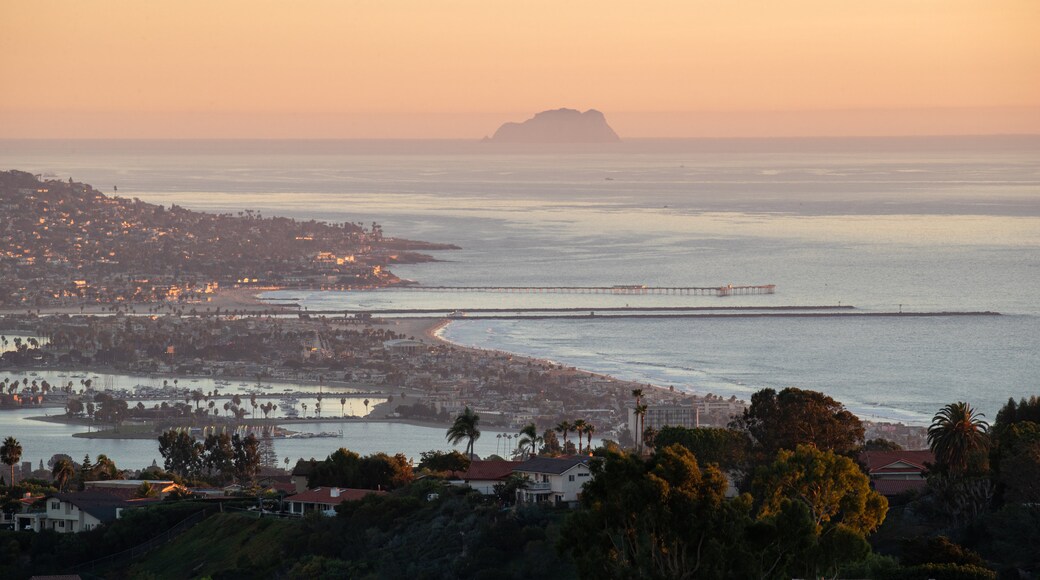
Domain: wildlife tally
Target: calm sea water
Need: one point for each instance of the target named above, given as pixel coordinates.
(911, 224)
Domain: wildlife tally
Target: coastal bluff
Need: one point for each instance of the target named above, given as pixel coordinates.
(558, 126)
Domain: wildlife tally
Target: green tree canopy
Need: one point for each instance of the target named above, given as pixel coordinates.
(832, 486)
(345, 468)
(727, 448)
(794, 417)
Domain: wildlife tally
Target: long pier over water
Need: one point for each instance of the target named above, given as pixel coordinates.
(635, 289)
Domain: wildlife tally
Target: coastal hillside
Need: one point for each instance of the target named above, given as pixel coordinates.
(66, 243)
(559, 126)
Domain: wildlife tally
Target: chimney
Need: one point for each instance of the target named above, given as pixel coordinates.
(334, 491)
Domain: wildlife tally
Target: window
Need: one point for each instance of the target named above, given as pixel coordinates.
(570, 478)
(61, 523)
(55, 505)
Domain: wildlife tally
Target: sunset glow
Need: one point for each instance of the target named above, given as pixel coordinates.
(457, 69)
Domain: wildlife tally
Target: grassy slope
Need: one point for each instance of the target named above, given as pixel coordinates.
(220, 543)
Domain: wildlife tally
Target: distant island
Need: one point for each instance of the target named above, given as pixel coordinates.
(558, 126)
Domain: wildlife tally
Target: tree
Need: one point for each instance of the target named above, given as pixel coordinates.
(465, 427)
(219, 455)
(550, 444)
(563, 428)
(10, 454)
(794, 417)
(1017, 463)
(641, 419)
(579, 429)
(104, 469)
(957, 436)
(589, 430)
(181, 453)
(832, 486)
(247, 456)
(63, 472)
(73, 407)
(880, 444)
(667, 517)
(529, 440)
(728, 448)
(441, 461)
(345, 468)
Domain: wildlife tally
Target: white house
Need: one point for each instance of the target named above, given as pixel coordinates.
(69, 513)
(553, 479)
(483, 476)
(325, 499)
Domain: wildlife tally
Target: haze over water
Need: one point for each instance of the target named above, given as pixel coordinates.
(880, 224)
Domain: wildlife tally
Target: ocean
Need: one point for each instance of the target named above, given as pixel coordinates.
(911, 224)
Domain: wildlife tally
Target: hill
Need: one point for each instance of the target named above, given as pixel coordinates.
(66, 243)
(559, 126)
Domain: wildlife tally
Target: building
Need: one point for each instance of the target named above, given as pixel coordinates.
(658, 416)
(483, 476)
(325, 499)
(894, 472)
(405, 346)
(129, 488)
(300, 473)
(557, 480)
(68, 513)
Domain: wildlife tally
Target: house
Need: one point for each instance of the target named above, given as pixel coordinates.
(25, 503)
(894, 472)
(325, 499)
(69, 513)
(300, 473)
(553, 479)
(483, 476)
(130, 488)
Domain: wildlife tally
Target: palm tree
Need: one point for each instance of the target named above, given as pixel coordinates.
(10, 453)
(579, 428)
(342, 404)
(956, 433)
(564, 428)
(589, 430)
(63, 471)
(641, 416)
(366, 401)
(465, 427)
(529, 440)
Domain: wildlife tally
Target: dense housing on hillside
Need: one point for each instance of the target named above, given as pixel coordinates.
(66, 243)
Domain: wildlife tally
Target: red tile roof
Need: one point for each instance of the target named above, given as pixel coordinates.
(324, 495)
(489, 470)
(881, 461)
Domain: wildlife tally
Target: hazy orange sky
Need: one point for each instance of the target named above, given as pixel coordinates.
(459, 68)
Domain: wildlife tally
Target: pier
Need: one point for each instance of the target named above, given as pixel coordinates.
(630, 289)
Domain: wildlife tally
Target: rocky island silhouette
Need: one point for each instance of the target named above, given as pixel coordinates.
(558, 126)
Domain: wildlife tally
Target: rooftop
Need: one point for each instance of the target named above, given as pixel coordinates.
(554, 465)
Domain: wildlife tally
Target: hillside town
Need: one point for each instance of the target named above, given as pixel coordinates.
(67, 244)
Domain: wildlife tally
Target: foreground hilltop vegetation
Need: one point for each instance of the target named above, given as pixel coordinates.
(66, 243)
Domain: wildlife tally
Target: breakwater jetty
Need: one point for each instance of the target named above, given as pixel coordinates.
(788, 314)
(621, 289)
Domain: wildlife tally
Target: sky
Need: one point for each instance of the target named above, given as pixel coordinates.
(459, 68)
